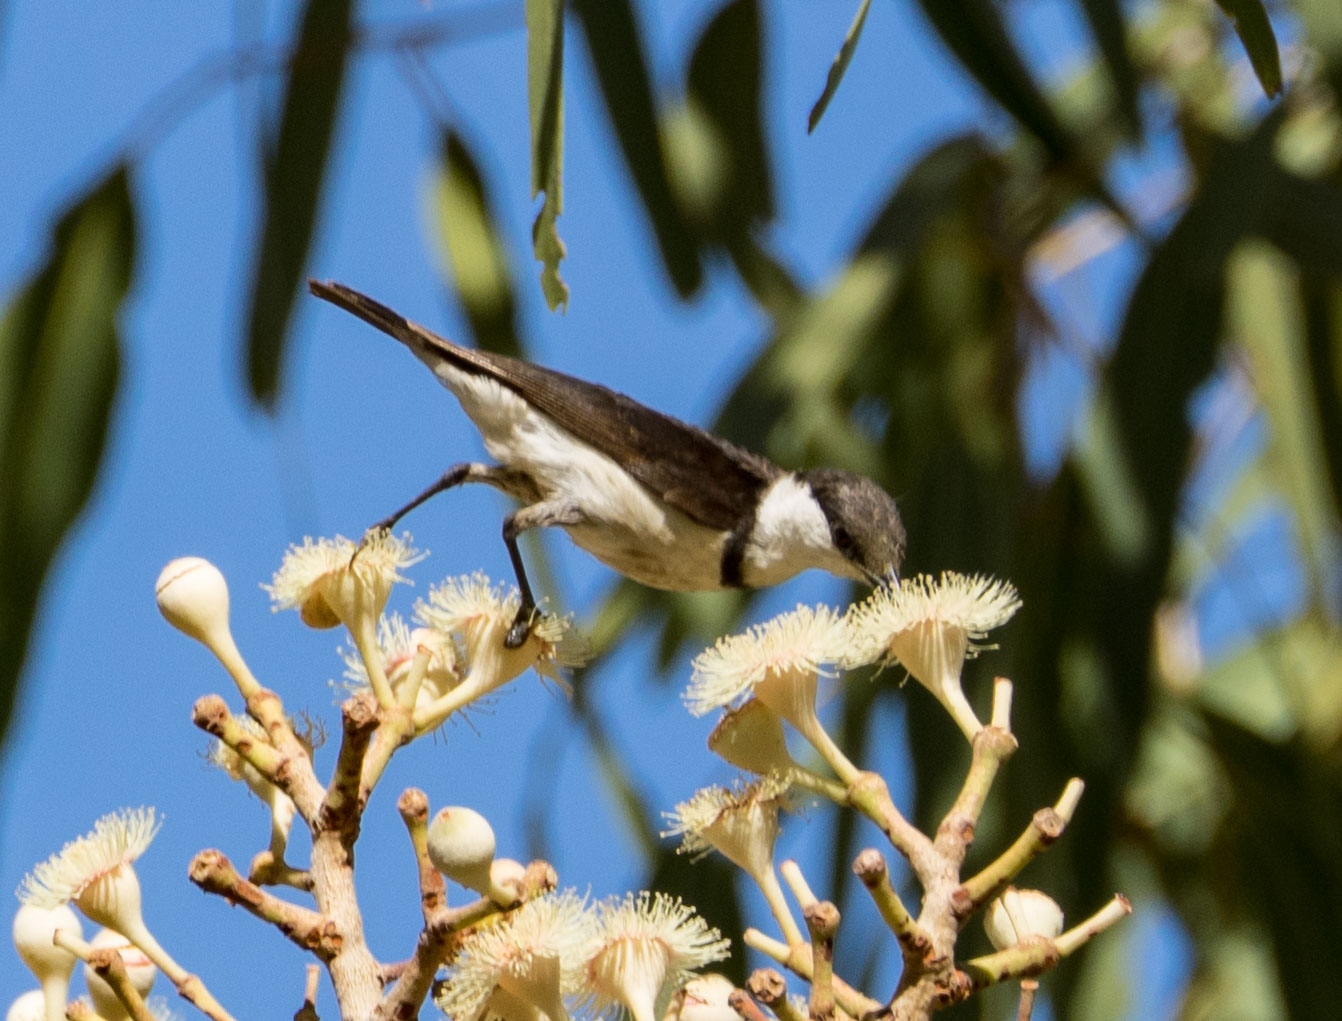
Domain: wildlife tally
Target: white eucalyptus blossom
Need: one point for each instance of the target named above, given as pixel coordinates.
(931, 626)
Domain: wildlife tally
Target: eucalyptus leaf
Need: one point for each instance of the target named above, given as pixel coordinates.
(60, 345)
(1254, 29)
(475, 249)
(840, 65)
(626, 90)
(545, 101)
(294, 173)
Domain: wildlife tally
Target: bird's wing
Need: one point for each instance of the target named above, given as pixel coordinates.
(670, 457)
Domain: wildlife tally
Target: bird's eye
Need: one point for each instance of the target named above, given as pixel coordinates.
(842, 539)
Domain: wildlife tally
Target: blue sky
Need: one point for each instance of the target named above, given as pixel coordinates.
(193, 469)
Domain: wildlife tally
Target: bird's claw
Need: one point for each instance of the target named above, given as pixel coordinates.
(521, 627)
(518, 633)
(369, 534)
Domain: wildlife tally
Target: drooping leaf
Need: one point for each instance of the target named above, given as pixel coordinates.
(1260, 42)
(622, 73)
(725, 86)
(975, 32)
(545, 101)
(1271, 329)
(475, 251)
(1105, 18)
(293, 179)
(1322, 301)
(840, 66)
(59, 344)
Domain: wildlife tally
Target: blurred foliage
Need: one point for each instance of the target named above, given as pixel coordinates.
(1212, 769)
(294, 164)
(60, 353)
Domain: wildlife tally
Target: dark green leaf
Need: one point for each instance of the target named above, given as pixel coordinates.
(1105, 18)
(1255, 31)
(1323, 323)
(622, 72)
(477, 254)
(1287, 834)
(725, 81)
(545, 100)
(293, 186)
(60, 349)
(841, 61)
(976, 34)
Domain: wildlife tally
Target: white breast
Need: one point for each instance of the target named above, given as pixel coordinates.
(625, 527)
(791, 535)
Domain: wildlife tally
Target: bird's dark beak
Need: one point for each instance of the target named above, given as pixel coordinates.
(891, 579)
(877, 580)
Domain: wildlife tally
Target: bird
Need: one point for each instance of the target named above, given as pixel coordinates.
(663, 502)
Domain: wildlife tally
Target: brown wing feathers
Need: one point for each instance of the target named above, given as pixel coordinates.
(668, 456)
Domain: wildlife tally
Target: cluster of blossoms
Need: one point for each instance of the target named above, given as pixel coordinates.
(95, 873)
(525, 951)
(928, 626)
(558, 954)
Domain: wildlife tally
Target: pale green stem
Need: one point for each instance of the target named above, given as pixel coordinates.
(364, 633)
(768, 883)
(419, 666)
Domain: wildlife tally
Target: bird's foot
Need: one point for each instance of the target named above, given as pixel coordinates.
(521, 628)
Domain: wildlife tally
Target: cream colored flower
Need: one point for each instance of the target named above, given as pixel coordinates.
(95, 872)
(742, 825)
(398, 644)
(779, 662)
(73, 873)
(478, 614)
(531, 956)
(328, 584)
(751, 737)
(643, 945)
(703, 998)
(192, 595)
(767, 656)
(461, 846)
(930, 627)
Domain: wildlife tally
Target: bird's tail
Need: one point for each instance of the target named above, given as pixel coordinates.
(421, 341)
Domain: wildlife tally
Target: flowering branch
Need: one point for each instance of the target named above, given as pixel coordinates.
(1046, 826)
(359, 718)
(798, 961)
(914, 941)
(210, 714)
(109, 966)
(214, 873)
(413, 806)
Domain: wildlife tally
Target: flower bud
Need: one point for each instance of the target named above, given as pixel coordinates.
(506, 872)
(461, 847)
(33, 929)
(193, 597)
(703, 998)
(28, 1007)
(1019, 915)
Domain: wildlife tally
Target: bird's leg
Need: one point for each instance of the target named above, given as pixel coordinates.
(537, 515)
(454, 476)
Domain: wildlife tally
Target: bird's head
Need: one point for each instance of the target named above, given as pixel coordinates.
(863, 522)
